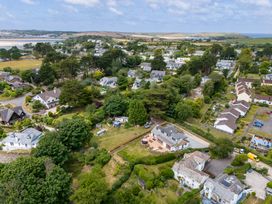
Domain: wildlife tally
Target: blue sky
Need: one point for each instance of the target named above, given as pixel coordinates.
(245, 16)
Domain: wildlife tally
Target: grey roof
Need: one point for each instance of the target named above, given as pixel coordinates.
(169, 134)
(7, 113)
(157, 74)
(228, 116)
(244, 103)
(229, 123)
(232, 111)
(225, 186)
(47, 94)
(188, 165)
(29, 137)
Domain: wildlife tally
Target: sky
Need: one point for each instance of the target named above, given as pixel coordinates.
(188, 16)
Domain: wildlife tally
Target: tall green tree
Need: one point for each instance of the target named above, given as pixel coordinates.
(73, 133)
(137, 114)
(115, 105)
(50, 146)
(34, 180)
(158, 63)
(183, 111)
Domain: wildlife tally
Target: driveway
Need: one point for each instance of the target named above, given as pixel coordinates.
(19, 101)
(257, 183)
(215, 167)
(260, 165)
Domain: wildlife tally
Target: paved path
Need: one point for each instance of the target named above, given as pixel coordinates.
(19, 101)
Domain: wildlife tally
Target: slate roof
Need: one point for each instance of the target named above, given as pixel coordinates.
(29, 137)
(7, 113)
(188, 165)
(48, 94)
(169, 134)
(231, 124)
(226, 186)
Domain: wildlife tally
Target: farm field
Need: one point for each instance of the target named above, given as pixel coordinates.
(250, 41)
(21, 64)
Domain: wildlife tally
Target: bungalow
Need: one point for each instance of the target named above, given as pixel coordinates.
(241, 109)
(261, 143)
(9, 116)
(170, 138)
(157, 75)
(172, 65)
(108, 81)
(266, 82)
(248, 82)
(25, 140)
(233, 112)
(48, 98)
(242, 103)
(189, 171)
(242, 92)
(146, 66)
(227, 126)
(263, 99)
(224, 189)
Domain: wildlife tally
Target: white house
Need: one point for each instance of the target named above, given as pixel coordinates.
(25, 140)
(227, 126)
(224, 189)
(48, 98)
(108, 81)
(189, 171)
(170, 137)
(263, 99)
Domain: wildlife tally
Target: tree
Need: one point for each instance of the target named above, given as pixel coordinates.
(137, 113)
(50, 146)
(122, 82)
(264, 67)
(92, 187)
(70, 67)
(74, 94)
(28, 76)
(46, 74)
(222, 149)
(208, 89)
(228, 53)
(73, 133)
(245, 60)
(34, 180)
(2, 133)
(41, 49)
(115, 105)
(14, 53)
(158, 63)
(183, 111)
(239, 160)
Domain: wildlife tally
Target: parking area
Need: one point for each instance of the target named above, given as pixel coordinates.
(257, 183)
(267, 126)
(215, 167)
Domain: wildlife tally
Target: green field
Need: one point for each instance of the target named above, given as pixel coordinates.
(250, 41)
(115, 137)
(21, 64)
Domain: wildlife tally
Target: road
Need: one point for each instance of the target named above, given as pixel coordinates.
(19, 101)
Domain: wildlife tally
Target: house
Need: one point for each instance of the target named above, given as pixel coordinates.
(131, 73)
(146, 66)
(172, 65)
(9, 116)
(225, 189)
(227, 126)
(108, 81)
(170, 138)
(240, 108)
(263, 99)
(48, 98)
(268, 77)
(225, 64)
(137, 84)
(261, 143)
(266, 82)
(248, 82)
(189, 171)
(122, 119)
(243, 92)
(242, 103)
(157, 75)
(233, 112)
(25, 140)
(4, 75)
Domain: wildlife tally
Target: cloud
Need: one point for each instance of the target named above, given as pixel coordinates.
(53, 12)
(30, 2)
(5, 14)
(117, 12)
(262, 3)
(88, 3)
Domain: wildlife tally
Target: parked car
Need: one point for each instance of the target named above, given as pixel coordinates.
(258, 124)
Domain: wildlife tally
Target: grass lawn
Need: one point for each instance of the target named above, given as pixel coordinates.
(66, 117)
(21, 64)
(115, 137)
(135, 150)
(250, 41)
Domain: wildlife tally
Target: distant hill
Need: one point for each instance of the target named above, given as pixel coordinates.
(163, 36)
